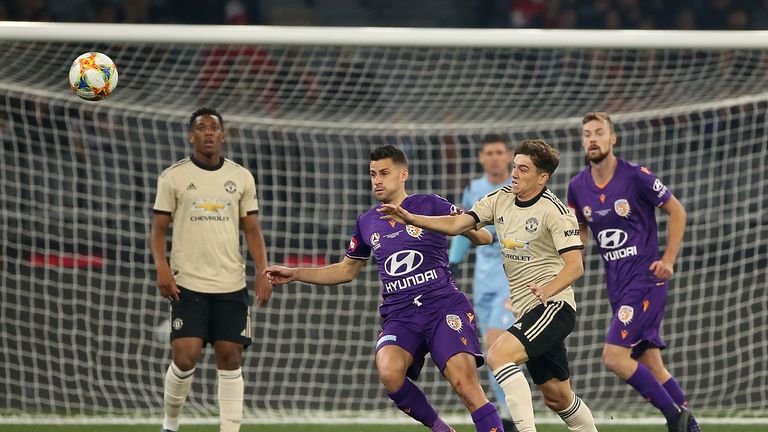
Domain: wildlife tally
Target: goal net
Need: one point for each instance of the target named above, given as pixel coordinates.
(84, 330)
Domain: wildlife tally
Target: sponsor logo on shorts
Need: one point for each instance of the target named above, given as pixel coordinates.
(454, 322)
(178, 323)
(624, 334)
(386, 338)
(463, 340)
(626, 313)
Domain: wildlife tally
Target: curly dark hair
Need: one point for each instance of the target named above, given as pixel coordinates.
(544, 157)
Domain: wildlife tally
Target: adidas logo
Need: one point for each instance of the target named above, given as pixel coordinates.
(191, 187)
(500, 219)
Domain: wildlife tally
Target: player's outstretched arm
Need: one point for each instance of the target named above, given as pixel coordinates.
(258, 251)
(665, 267)
(165, 281)
(451, 225)
(479, 237)
(334, 274)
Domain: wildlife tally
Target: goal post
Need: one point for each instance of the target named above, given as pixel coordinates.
(84, 330)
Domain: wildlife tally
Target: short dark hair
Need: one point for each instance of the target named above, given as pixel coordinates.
(389, 152)
(204, 111)
(493, 138)
(598, 115)
(544, 157)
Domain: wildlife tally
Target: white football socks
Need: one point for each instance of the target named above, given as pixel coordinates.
(578, 416)
(517, 395)
(176, 386)
(231, 389)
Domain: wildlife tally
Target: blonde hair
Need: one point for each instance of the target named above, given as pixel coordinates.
(598, 115)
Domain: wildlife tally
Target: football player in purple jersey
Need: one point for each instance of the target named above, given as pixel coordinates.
(617, 200)
(422, 309)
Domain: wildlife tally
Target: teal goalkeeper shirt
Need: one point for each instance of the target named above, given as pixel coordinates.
(489, 267)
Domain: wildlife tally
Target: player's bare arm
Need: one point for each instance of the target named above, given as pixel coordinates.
(334, 274)
(258, 251)
(451, 225)
(165, 280)
(584, 236)
(572, 270)
(479, 237)
(665, 267)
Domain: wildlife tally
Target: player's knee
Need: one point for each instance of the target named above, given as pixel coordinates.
(556, 401)
(227, 360)
(391, 378)
(499, 355)
(555, 404)
(464, 386)
(184, 362)
(612, 361)
(494, 358)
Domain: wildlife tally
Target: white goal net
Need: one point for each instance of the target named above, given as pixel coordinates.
(83, 330)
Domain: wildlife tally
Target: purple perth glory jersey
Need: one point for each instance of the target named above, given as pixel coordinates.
(413, 263)
(622, 217)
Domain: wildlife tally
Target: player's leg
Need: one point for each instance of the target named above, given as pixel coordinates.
(619, 360)
(230, 333)
(494, 316)
(455, 349)
(461, 372)
(559, 397)
(651, 358)
(535, 333)
(504, 358)
(189, 331)
(400, 356)
(635, 324)
(550, 372)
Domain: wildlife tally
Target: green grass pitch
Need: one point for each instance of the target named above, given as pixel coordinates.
(348, 428)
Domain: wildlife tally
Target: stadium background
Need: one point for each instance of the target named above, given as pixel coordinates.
(81, 320)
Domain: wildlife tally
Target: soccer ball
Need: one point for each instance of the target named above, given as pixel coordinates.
(93, 76)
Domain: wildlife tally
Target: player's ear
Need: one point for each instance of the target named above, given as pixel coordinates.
(543, 177)
(405, 174)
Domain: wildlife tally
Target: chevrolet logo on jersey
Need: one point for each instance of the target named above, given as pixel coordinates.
(210, 206)
(509, 243)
